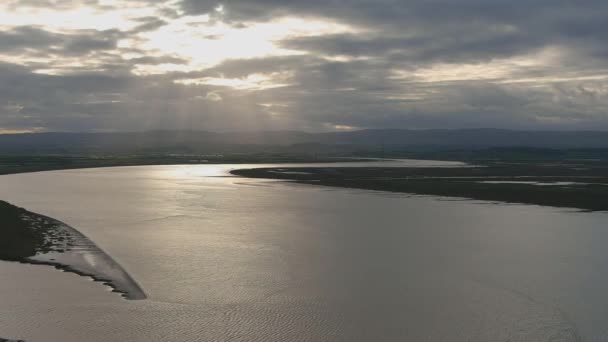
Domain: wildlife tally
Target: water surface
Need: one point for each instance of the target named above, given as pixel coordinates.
(234, 259)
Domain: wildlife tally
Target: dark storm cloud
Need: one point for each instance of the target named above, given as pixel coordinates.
(24, 38)
(422, 48)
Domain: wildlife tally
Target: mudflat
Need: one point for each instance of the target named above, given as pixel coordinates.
(571, 185)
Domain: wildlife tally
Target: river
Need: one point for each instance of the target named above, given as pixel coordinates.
(232, 259)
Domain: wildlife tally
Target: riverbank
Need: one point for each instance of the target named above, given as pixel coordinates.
(31, 238)
(10, 164)
(556, 185)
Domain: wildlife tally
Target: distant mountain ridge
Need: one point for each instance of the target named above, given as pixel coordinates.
(210, 142)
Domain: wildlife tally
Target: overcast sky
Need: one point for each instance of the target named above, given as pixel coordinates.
(315, 65)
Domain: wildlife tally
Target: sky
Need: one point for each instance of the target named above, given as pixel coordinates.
(331, 65)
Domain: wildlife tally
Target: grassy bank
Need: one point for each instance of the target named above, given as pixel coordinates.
(561, 185)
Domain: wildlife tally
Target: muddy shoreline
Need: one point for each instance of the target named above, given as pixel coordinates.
(40, 240)
(564, 186)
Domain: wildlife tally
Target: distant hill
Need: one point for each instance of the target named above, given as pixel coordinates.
(294, 141)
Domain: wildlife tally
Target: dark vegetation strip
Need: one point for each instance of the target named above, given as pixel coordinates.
(590, 193)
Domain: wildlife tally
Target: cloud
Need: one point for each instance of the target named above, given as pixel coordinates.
(314, 65)
(25, 38)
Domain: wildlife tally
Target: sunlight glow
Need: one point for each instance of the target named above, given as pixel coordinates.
(116, 16)
(20, 130)
(493, 70)
(251, 82)
(207, 44)
(200, 41)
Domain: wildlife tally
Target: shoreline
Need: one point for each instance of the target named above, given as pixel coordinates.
(30, 164)
(70, 269)
(42, 240)
(558, 187)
